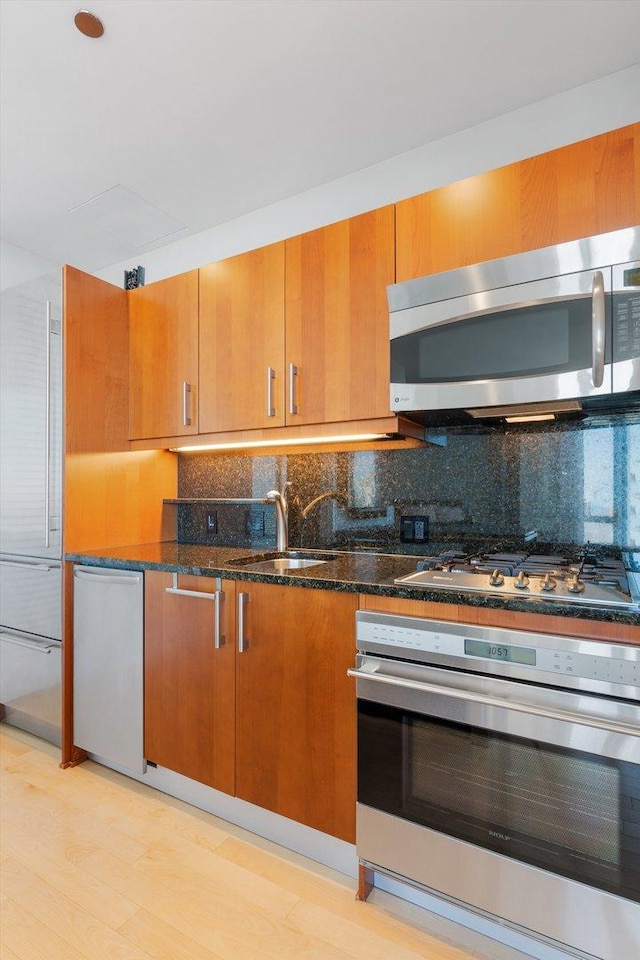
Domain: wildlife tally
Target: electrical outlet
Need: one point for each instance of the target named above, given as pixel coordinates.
(212, 522)
(255, 522)
(414, 529)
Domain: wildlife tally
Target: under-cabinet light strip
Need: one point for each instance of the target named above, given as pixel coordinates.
(531, 418)
(298, 441)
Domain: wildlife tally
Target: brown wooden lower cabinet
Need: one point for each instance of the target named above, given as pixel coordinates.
(272, 719)
(189, 694)
(296, 708)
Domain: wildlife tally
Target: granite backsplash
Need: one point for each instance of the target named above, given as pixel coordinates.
(572, 482)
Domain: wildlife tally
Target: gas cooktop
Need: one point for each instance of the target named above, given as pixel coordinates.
(584, 577)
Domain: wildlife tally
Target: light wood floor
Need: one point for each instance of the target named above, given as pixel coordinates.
(97, 866)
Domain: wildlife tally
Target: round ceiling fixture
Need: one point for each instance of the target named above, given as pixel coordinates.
(88, 24)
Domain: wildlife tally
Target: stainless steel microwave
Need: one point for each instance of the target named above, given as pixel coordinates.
(553, 325)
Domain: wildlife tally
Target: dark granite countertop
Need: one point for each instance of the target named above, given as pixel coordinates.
(358, 572)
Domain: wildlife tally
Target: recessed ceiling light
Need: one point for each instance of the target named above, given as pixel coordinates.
(88, 24)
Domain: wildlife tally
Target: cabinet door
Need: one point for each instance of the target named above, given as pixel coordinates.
(295, 732)
(163, 358)
(189, 682)
(337, 331)
(584, 188)
(242, 341)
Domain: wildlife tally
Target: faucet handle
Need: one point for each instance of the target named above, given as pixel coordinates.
(280, 494)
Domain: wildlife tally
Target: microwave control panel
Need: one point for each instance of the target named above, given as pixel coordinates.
(626, 326)
(626, 312)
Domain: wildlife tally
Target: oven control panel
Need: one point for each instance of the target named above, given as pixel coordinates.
(498, 651)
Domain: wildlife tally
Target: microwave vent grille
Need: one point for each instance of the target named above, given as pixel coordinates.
(558, 406)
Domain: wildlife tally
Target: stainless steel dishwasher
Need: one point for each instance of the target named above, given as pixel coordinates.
(108, 634)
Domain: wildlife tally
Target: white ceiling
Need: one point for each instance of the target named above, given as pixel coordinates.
(202, 110)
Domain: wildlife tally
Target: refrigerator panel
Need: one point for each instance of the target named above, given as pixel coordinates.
(31, 417)
(31, 596)
(30, 693)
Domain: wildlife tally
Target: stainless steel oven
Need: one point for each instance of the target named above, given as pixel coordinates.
(551, 325)
(501, 769)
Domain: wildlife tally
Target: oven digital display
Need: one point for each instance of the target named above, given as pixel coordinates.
(500, 651)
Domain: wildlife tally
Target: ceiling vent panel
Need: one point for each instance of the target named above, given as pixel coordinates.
(126, 216)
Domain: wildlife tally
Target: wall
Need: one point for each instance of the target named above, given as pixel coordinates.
(18, 265)
(572, 483)
(583, 112)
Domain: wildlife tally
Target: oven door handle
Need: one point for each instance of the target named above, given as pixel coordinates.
(598, 723)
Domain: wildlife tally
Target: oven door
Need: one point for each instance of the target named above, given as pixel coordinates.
(546, 777)
(541, 341)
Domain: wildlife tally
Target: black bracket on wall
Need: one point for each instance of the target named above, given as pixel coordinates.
(134, 278)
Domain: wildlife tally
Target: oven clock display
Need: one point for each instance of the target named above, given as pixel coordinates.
(500, 651)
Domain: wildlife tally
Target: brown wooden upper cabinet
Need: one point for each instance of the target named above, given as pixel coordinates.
(163, 358)
(337, 320)
(576, 191)
(297, 332)
(242, 341)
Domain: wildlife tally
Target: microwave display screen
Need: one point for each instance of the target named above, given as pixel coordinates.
(631, 278)
(510, 343)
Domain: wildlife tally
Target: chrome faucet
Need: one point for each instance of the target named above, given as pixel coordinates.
(282, 515)
(281, 502)
(329, 495)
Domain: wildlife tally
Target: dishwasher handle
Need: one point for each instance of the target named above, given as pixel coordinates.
(132, 580)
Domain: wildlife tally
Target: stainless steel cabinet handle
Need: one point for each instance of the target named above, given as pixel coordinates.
(186, 403)
(271, 375)
(293, 375)
(243, 643)
(597, 329)
(105, 577)
(529, 709)
(182, 592)
(47, 429)
(28, 565)
(29, 644)
(218, 639)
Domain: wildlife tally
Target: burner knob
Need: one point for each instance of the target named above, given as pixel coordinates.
(575, 584)
(548, 583)
(496, 579)
(521, 581)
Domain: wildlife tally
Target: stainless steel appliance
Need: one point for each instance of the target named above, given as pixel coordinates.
(546, 327)
(500, 769)
(586, 579)
(108, 640)
(30, 505)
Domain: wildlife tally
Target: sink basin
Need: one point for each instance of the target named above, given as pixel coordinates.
(279, 564)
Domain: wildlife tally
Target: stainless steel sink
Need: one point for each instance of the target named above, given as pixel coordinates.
(280, 563)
